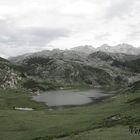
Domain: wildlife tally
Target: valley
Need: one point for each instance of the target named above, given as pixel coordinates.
(69, 69)
(110, 118)
(73, 74)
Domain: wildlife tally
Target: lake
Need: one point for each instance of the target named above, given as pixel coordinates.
(70, 97)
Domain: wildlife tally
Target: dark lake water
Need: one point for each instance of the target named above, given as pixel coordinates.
(69, 97)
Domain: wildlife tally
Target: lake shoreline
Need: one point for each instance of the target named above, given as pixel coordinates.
(93, 100)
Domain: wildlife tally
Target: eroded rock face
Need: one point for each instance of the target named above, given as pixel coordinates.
(10, 80)
(8, 76)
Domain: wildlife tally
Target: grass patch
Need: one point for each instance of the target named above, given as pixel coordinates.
(11, 98)
(75, 123)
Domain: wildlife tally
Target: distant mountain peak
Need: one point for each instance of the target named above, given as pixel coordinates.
(103, 47)
(81, 52)
(120, 48)
(83, 46)
(125, 45)
(85, 49)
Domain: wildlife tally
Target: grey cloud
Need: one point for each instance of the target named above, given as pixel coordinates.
(15, 41)
(40, 36)
(32, 36)
(134, 35)
(102, 37)
(120, 8)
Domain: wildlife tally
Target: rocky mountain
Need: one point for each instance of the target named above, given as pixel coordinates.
(84, 49)
(112, 56)
(9, 77)
(55, 53)
(80, 52)
(121, 48)
(70, 67)
(66, 71)
(83, 65)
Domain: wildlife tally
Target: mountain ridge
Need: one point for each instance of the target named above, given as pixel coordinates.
(70, 67)
(86, 50)
(82, 65)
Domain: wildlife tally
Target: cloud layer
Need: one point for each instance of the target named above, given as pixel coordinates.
(33, 25)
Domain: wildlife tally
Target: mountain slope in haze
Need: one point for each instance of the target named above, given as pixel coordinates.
(84, 49)
(56, 53)
(70, 67)
(133, 65)
(121, 48)
(65, 71)
(80, 52)
(82, 65)
(107, 61)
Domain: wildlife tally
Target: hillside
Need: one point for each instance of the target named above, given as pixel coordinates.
(9, 74)
(74, 68)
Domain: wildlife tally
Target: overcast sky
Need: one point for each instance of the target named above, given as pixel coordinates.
(33, 25)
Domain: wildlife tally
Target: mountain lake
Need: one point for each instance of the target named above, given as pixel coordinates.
(71, 97)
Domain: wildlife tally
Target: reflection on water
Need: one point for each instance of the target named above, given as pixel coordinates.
(68, 97)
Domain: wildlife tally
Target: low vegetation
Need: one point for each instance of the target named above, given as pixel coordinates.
(133, 65)
(107, 120)
(42, 85)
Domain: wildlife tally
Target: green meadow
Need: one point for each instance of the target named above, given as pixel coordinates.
(107, 120)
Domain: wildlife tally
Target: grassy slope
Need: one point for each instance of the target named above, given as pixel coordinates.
(77, 123)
